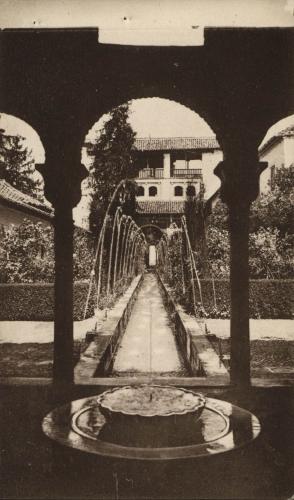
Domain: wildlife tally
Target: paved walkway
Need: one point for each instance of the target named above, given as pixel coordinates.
(148, 344)
(40, 332)
(266, 329)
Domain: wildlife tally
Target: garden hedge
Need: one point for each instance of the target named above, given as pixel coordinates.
(267, 298)
(34, 302)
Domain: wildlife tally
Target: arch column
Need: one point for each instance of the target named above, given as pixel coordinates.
(63, 189)
(239, 174)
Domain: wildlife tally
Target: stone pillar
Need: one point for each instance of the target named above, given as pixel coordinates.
(63, 294)
(62, 189)
(166, 166)
(187, 162)
(239, 177)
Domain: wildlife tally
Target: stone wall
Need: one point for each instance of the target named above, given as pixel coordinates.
(196, 349)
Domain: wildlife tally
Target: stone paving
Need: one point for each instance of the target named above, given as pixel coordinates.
(40, 332)
(260, 329)
(148, 344)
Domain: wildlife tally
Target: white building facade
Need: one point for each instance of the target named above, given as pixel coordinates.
(278, 151)
(172, 169)
(169, 171)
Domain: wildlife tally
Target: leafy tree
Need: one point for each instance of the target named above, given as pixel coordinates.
(271, 232)
(83, 254)
(270, 255)
(218, 251)
(274, 209)
(196, 224)
(112, 162)
(219, 216)
(17, 165)
(27, 254)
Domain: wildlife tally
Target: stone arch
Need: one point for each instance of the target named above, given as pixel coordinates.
(239, 92)
(152, 233)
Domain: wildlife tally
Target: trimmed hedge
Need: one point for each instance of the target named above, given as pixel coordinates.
(267, 299)
(35, 301)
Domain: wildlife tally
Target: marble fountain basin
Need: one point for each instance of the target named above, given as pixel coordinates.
(151, 415)
(221, 427)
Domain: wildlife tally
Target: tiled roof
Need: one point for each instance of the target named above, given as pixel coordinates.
(171, 143)
(160, 207)
(15, 197)
(286, 132)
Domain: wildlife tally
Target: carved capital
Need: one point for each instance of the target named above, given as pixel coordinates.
(239, 180)
(62, 183)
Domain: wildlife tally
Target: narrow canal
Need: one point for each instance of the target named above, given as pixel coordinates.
(148, 345)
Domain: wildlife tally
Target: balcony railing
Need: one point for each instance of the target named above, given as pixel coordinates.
(191, 173)
(157, 173)
(151, 173)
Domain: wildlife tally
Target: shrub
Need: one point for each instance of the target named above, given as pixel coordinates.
(267, 299)
(35, 302)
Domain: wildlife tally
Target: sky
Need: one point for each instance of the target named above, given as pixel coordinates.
(156, 117)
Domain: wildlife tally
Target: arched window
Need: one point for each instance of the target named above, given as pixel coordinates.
(178, 191)
(140, 191)
(153, 191)
(191, 191)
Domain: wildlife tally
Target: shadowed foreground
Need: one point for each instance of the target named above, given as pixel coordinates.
(32, 466)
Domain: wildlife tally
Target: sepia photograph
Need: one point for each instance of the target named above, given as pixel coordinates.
(147, 249)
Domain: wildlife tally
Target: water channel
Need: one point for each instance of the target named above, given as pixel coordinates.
(148, 345)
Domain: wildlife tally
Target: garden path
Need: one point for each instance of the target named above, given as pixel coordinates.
(40, 332)
(259, 328)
